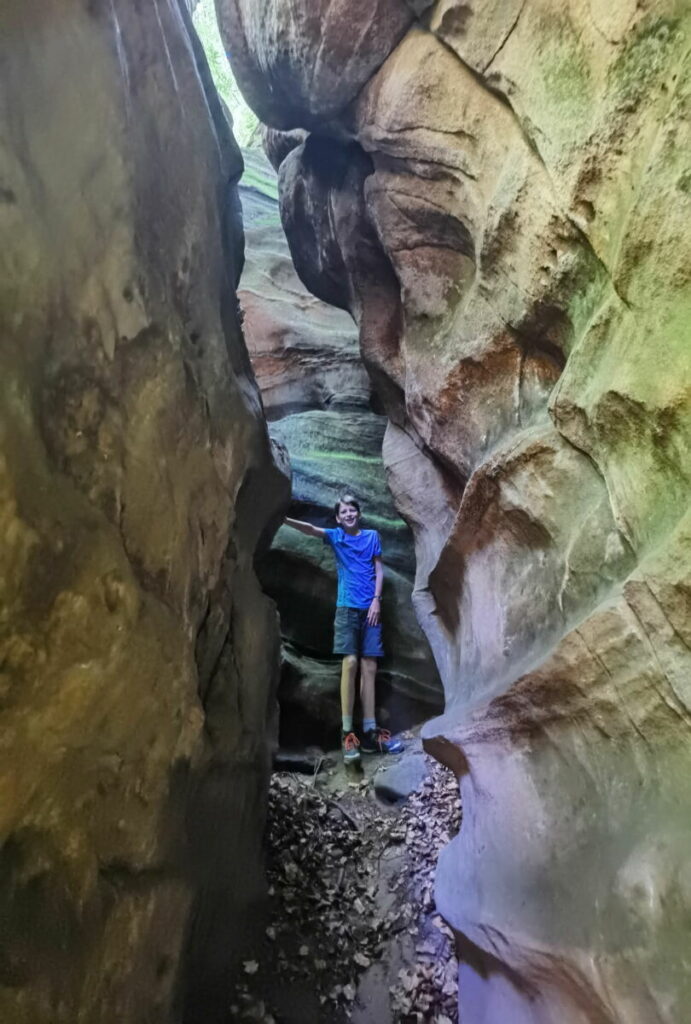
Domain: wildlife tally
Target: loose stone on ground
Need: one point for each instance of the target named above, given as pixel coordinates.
(353, 931)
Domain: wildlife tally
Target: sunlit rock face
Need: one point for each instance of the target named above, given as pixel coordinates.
(504, 207)
(138, 653)
(319, 403)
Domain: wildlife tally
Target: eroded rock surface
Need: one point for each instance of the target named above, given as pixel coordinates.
(503, 206)
(138, 653)
(304, 352)
(318, 399)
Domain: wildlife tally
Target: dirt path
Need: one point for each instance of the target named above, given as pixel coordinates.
(353, 933)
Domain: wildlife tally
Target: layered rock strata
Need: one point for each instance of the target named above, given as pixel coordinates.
(137, 651)
(500, 194)
(319, 403)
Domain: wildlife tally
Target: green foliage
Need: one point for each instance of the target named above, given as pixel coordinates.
(245, 123)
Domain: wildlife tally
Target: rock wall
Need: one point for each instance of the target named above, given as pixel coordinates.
(500, 194)
(138, 655)
(319, 403)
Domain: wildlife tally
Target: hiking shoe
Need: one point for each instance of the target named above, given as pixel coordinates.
(350, 744)
(380, 741)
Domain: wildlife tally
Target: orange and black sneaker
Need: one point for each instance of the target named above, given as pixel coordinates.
(350, 744)
(380, 741)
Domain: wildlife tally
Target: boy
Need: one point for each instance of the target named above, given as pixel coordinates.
(357, 626)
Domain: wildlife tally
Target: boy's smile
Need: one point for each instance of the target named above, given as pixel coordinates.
(348, 517)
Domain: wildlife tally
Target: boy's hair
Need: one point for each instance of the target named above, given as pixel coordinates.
(347, 499)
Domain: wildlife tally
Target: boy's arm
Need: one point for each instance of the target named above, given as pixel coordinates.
(306, 528)
(374, 612)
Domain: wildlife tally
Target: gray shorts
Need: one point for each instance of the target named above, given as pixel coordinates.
(353, 634)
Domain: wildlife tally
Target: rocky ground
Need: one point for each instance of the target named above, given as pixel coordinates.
(353, 933)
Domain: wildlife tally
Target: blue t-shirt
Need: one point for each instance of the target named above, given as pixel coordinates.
(354, 561)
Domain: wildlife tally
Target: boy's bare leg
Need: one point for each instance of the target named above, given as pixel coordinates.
(348, 673)
(367, 674)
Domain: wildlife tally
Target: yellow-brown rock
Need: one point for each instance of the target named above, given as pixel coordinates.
(504, 207)
(137, 653)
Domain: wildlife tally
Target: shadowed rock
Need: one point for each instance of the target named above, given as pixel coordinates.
(139, 655)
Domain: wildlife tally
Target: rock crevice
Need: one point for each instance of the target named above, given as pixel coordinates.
(321, 408)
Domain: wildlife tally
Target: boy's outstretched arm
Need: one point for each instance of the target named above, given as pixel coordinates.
(307, 528)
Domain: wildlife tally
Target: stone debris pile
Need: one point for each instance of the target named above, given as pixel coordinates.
(351, 888)
(428, 989)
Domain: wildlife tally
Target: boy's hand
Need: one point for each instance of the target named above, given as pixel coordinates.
(374, 612)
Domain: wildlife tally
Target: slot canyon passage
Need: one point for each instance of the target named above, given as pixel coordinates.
(498, 195)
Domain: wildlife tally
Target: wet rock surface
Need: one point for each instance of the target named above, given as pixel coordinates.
(138, 653)
(502, 207)
(318, 399)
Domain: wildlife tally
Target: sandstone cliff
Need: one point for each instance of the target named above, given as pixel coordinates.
(138, 654)
(500, 194)
(319, 403)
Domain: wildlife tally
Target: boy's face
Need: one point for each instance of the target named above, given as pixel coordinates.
(347, 516)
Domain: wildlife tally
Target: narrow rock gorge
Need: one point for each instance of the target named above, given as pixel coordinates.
(138, 654)
(320, 406)
(499, 194)
(487, 206)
